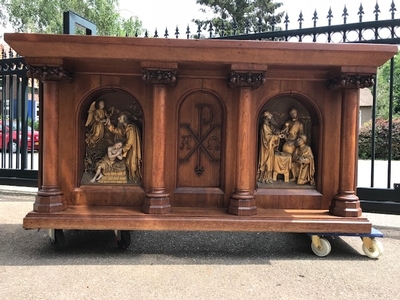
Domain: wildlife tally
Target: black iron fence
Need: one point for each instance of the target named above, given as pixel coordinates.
(19, 140)
(20, 113)
(376, 31)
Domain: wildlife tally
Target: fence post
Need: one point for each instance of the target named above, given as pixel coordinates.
(71, 20)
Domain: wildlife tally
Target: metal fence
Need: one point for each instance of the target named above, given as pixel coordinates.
(19, 141)
(20, 113)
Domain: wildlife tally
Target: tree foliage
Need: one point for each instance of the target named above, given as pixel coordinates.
(383, 89)
(247, 15)
(46, 16)
(381, 140)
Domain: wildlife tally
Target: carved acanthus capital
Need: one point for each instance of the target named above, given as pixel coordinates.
(246, 79)
(159, 77)
(351, 81)
(46, 73)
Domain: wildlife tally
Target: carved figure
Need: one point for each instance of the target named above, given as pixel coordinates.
(107, 162)
(131, 149)
(283, 160)
(97, 119)
(292, 129)
(269, 141)
(303, 162)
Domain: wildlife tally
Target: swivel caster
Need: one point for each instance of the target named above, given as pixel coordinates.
(123, 238)
(57, 239)
(372, 248)
(320, 246)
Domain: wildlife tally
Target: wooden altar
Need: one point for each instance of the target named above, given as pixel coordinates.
(196, 109)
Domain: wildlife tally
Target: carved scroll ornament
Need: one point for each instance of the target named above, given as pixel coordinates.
(351, 82)
(159, 77)
(46, 73)
(246, 79)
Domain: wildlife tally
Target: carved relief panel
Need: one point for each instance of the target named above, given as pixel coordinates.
(200, 141)
(285, 149)
(113, 139)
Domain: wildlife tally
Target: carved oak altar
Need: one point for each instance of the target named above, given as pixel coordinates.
(197, 110)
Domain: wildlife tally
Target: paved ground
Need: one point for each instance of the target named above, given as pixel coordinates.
(189, 265)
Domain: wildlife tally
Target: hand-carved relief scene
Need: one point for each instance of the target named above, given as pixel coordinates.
(285, 157)
(113, 147)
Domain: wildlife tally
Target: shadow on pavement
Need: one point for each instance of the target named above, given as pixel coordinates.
(30, 247)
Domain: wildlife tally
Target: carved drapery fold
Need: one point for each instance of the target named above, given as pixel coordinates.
(246, 79)
(159, 77)
(351, 81)
(47, 73)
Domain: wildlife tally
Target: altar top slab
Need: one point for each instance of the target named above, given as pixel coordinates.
(74, 50)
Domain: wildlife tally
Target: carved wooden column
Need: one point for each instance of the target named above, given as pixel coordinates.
(157, 200)
(242, 201)
(346, 203)
(50, 197)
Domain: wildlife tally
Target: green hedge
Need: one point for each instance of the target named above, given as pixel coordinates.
(381, 140)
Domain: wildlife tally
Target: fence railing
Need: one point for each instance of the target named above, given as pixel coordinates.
(19, 141)
(278, 28)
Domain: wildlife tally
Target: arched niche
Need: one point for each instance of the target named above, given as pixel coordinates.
(277, 172)
(101, 128)
(200, 142)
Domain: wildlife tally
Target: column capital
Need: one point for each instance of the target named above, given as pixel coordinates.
(246, 79)
(354, 81)
(49, 73)
(159, 77)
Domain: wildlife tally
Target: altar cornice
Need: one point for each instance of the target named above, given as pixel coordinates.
(76, 48)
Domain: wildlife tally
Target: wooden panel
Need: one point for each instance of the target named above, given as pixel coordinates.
(74, 110)
(288, 198)
(200, 141)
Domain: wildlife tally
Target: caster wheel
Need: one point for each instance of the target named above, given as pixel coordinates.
(322, 250)
(57, 240)
(123, 239)
(375, 250)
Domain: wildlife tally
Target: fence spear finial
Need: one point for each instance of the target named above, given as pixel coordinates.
(330, 16)
(345, 14)
(315, 18)
(360, 12)
(392, 9)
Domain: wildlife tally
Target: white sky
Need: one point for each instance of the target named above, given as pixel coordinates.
(170, 13)
(163, 14)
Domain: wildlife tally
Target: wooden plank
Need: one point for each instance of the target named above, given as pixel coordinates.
(195, 219)
(179, 50)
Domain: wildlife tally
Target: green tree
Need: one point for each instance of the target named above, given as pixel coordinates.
(46, 16)
(383, 89)
(246, 14)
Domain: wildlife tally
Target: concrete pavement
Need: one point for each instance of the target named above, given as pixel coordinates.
(189, 265)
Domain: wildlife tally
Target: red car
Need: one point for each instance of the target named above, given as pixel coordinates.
(12, 144)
